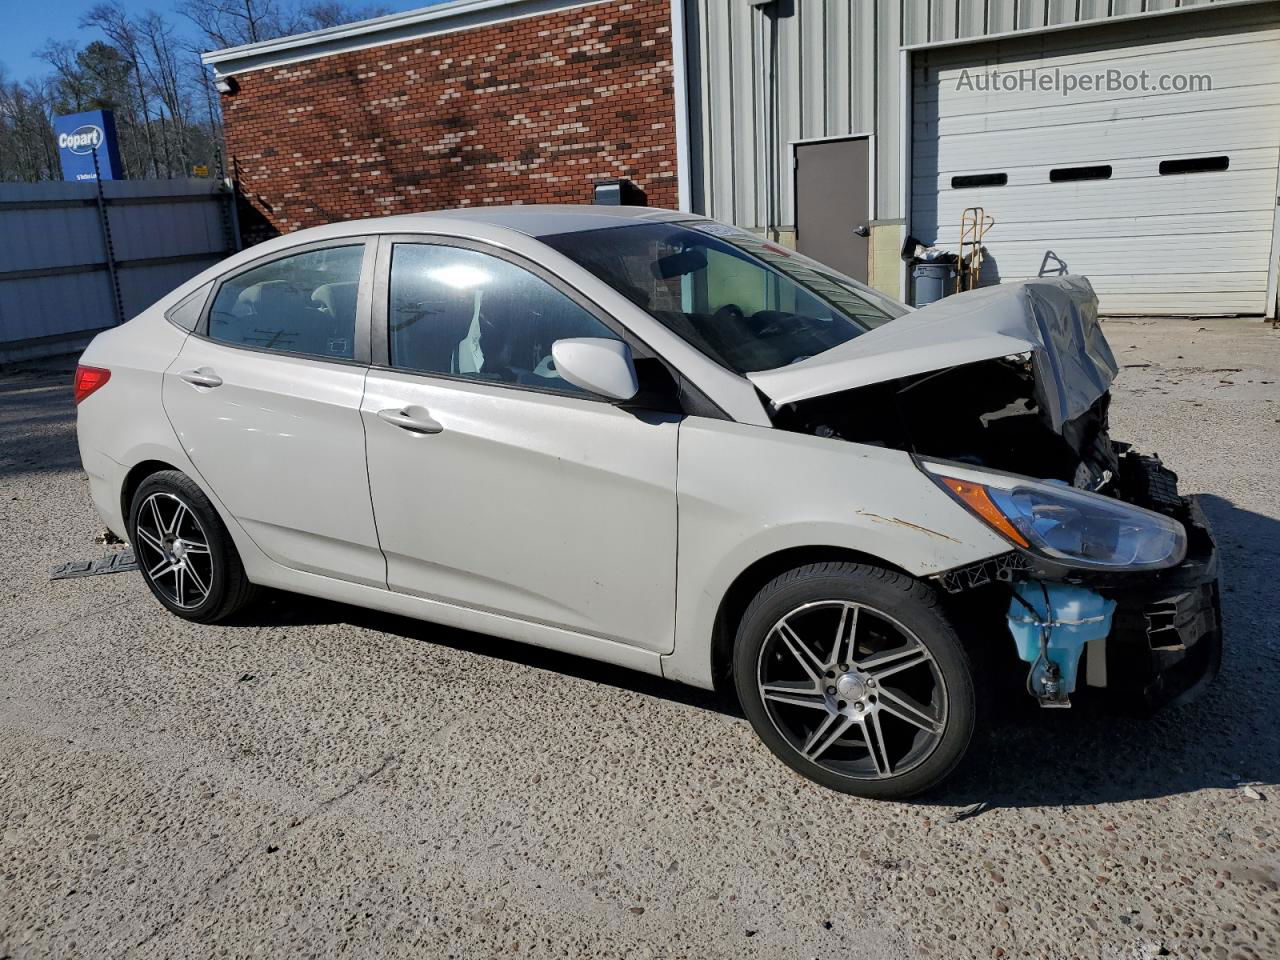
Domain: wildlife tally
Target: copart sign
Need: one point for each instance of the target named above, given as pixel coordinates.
(87, 146)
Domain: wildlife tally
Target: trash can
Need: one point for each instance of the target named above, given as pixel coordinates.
(931, 281)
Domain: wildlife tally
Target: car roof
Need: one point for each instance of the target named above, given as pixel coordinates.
(539, 220)
(535, 221)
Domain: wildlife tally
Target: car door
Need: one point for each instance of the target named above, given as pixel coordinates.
(265, 397)
(496, 484)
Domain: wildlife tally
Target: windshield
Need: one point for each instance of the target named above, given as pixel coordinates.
(746, 303)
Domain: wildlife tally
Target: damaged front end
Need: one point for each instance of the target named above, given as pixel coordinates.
(1111, 575)
(1147, 638)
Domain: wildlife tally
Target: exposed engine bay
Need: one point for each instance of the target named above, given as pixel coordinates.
(986, 414)
(1010, 378)
(983, 414)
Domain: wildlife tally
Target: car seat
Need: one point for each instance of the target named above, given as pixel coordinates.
(337, 301)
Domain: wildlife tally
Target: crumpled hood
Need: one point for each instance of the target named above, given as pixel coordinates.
(1055, 319)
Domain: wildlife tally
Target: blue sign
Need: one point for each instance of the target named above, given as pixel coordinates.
(80, 136)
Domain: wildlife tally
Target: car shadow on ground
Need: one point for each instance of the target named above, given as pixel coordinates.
(285, 610)
(1026, 757)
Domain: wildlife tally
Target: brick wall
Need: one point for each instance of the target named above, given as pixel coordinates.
(526, 111)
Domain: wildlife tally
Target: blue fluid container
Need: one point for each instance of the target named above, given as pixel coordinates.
(1076, 615)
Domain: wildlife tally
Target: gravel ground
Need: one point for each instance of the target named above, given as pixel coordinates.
(324, 781)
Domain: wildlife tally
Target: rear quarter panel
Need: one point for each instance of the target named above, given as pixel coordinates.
(747, 492)
(123, 423)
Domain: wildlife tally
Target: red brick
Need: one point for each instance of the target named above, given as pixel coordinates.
(527, 111)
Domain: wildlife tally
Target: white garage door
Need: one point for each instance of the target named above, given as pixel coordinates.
(1165, 200)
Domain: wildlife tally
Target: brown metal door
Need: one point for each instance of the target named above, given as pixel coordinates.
(832, 203)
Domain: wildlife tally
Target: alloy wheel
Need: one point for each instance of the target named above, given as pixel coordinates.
(173, 549)
(852, 690)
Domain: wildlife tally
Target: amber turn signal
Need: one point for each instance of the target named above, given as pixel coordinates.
(975, 496)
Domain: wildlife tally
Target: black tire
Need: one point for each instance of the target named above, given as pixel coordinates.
(227, 590)
(887, 602)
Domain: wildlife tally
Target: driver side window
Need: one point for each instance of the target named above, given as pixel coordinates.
(468, 314)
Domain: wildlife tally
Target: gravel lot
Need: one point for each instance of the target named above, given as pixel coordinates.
(324, 781)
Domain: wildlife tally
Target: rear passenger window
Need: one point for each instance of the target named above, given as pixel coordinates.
(300, 304)
(187, 313)
(468, 314)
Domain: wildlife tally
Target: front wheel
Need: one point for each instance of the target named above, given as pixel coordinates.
(852, 675)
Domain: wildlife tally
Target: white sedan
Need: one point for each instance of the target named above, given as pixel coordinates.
(662, 442)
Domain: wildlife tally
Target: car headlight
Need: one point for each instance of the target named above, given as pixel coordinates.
(1063, 524)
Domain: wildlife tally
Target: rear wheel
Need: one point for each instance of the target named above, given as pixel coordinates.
(853, 677)
(184, 550)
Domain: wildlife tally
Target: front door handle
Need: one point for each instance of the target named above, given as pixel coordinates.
(414, 419)
(201, 377)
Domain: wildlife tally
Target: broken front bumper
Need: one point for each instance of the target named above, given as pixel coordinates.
(1165, 644)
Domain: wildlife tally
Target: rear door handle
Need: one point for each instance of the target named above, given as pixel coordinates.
(201, 377)
(414, 419)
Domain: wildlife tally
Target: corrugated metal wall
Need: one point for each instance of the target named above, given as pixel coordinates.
(937, 21)
(838, 72)
(820, 52)
(55, 285)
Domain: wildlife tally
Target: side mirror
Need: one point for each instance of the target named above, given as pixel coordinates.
(601, 366)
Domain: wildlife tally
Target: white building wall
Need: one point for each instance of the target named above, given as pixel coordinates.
(1165, 200)
(839, 71)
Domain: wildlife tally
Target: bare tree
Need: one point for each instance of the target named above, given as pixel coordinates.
(164, 76)
(119, 28)
(230, 23)
(27, 150)
(166, 108)
(74, 88)
(332, 13)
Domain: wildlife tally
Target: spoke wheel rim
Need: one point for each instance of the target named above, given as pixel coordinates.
(173, 550)
(852, 690)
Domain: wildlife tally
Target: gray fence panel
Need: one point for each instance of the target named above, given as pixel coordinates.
(42, 308)
(55, 281)
(140, 287)
(31, 239)
(187, 229)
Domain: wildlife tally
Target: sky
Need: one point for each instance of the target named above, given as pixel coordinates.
(27, 24)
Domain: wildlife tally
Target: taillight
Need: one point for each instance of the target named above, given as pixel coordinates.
(89, 379)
